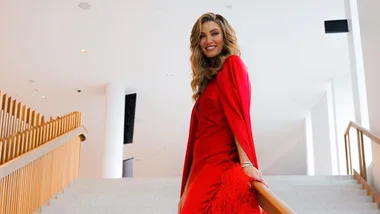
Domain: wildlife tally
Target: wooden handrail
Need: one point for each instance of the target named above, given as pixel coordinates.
(27, 140)
(365, 131)
(269, 202)
(37, 159)
(16, 116)
(30, 180)
(362, 161)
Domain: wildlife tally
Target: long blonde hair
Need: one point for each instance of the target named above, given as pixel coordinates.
(202, 72)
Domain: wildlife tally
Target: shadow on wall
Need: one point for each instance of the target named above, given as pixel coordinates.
(128, 167)
(292, 162)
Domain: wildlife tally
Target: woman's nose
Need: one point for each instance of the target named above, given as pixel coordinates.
(208, 39)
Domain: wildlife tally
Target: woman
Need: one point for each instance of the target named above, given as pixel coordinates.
(220, 161)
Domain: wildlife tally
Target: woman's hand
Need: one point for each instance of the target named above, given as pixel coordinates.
(252, 172)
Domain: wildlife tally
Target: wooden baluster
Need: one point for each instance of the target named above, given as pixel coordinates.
(14, 118)
(2, 195)
(33, 119)
(350, 155)
(27, 120)
(3, 152)
(5, 116)
(38, 119)
(28, 188)
(28, 140)
(18, 144)
(24, 116)
(9, 149)
(19, 119)
(346, 145)
(362, 150)
(14, 145)
(9, 117)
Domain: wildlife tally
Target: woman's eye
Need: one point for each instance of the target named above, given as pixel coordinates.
(215, 34)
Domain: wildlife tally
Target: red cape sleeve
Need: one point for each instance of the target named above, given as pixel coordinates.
(235, 97)
(189, 152)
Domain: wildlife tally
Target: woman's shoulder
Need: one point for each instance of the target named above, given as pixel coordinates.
(232, 64)
(233, 59)
(233, 73)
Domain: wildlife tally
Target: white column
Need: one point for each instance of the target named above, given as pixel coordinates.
(365, 32)
(357, 67)
(114, 131)
(331, 110)
(309, 145)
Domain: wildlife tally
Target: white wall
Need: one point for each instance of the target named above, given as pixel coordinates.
(325, 126)
(364, 49)
(343, 114)
(369, 17)
(322, 141)
(292, 162)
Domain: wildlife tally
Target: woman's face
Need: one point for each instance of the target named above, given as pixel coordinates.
(211, 41)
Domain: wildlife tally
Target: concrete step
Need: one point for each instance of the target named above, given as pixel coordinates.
(340, 212)
(304, 194)
(295, 178)
(291, 199)
(333, 206)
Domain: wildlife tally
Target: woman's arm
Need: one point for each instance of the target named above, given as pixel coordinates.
(242, 155)
(187, 182)
(235, 97)
(187, 166)
(247, 165)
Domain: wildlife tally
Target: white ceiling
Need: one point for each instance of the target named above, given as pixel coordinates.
(145, 44)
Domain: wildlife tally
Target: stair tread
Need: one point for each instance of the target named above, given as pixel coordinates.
(304, 194)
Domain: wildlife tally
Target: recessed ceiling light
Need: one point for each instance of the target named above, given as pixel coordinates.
(229, 6)
(43, 97)
(83, 51)
(84, 5)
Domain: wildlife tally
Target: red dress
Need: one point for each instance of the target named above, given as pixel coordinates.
(217, 183)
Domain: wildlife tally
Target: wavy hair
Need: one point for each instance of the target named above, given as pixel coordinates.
(202, 72)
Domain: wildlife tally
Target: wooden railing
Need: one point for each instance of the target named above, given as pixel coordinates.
(361, 131)
(16, 117)
(22, 142)
(38, 163)
(269, 202)
(360, 176)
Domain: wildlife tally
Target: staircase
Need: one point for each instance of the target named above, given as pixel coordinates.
(304, 194)
(39, 165)
(323, 194)
(37, 158)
